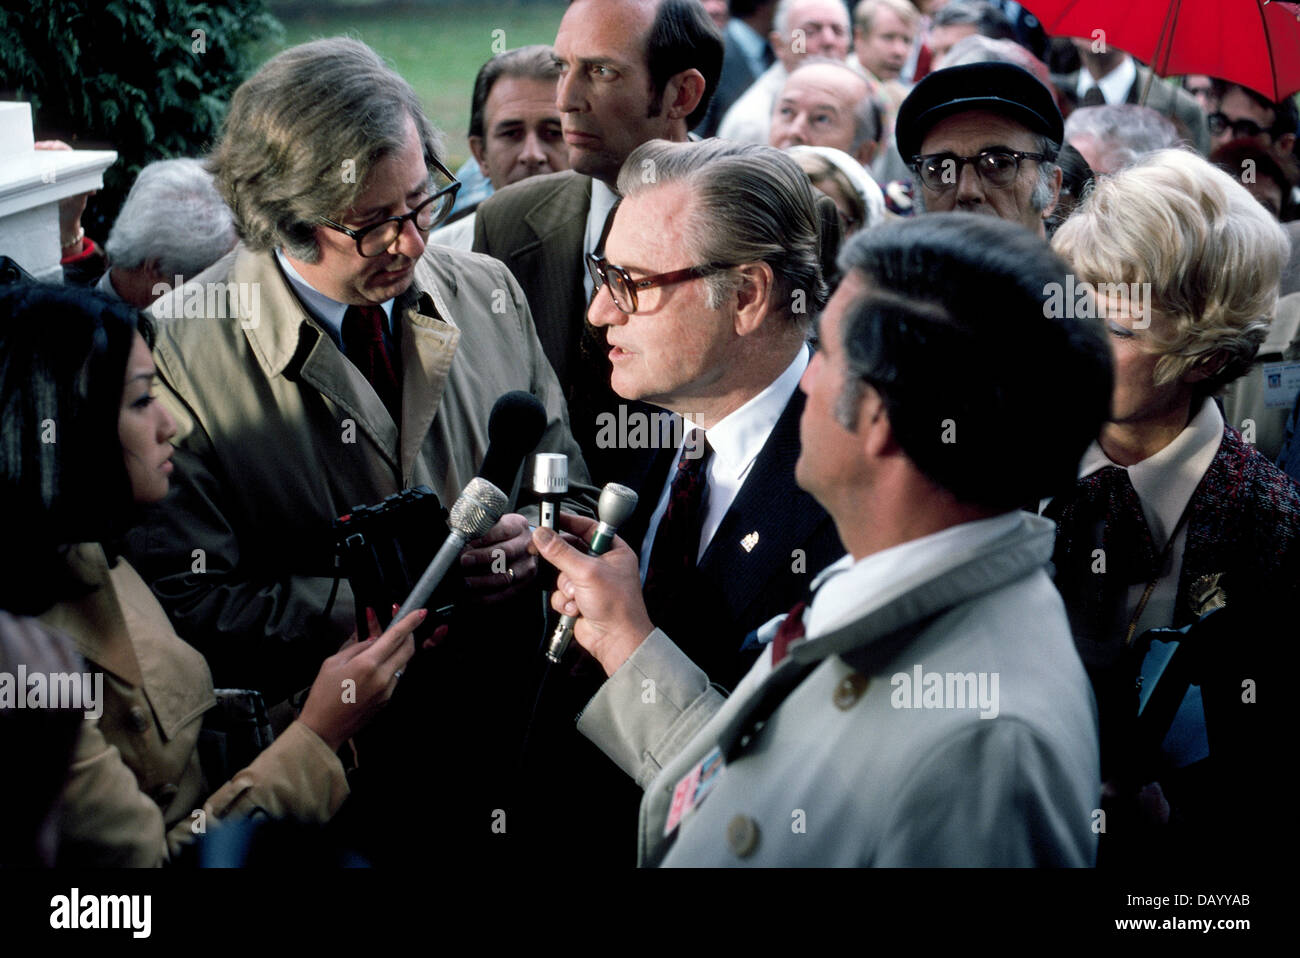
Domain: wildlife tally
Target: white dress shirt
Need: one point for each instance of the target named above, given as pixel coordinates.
(457, 235)
(737, 439)
(1114, 85)
(602, 201)
(325, 310)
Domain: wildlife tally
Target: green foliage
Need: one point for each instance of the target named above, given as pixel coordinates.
(130, 75)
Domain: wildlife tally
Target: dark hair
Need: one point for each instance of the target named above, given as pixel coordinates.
(63, 360)
(989, 395)
(536, 62)
(987, 19)
(1231, 157)
(1076, 180)
(683, 37)
(1286, 116)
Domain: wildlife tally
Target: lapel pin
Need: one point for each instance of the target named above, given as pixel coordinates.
(749, 542)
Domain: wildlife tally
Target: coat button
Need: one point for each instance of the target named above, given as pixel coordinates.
(742, 835)
(163, 794)
(138, 718)
(850, 689)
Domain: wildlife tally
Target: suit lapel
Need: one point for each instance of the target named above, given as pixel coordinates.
(769, 519)
(551, 259)
(283, 330)
(429, 341)
(328, 370)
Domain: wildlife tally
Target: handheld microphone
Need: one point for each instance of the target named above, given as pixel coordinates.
(473, 514)
(550, 483)
(617, 503)
(515, 426)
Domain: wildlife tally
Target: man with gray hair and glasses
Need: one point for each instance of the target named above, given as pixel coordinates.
(983, 138)
(710, 276)
(173, 225)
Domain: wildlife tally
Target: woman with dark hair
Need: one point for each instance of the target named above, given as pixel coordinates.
(83, 441)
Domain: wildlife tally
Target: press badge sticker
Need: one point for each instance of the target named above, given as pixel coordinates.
(1281, 384)
(692, 788)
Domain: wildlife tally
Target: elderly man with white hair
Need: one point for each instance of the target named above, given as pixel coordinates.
(173, 224)
(801, 28)
(1113, 137)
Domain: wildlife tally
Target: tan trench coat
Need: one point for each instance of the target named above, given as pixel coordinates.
(280, 433)
(135, 783)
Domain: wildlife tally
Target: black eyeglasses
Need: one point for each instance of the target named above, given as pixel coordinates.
(1218, 122)
(622, 287)
(375, 239)
(940, 172)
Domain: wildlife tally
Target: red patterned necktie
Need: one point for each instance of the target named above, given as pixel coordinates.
(363, 341)
(677, 540)
(790, 630)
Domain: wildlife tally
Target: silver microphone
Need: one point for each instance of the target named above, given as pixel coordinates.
(477, 510)
(617, 503)
(550, 483)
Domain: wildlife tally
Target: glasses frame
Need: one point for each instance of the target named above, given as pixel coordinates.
(1219, 118)
(1018, 155)
(450, 191)
(599, 269)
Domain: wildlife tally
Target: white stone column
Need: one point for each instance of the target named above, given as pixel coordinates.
(31, 184)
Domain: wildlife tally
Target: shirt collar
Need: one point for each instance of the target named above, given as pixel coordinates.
(1166, 481)
(325, 310)
(1114, 85)
(602, 201)
(738, 437)
(842, 586)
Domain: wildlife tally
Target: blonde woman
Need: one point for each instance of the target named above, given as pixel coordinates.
(1174, 514)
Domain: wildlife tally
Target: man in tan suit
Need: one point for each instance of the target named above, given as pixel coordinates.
(325, 363)
(328, 362)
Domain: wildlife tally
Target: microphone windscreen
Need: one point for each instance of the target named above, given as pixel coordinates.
(514, 429)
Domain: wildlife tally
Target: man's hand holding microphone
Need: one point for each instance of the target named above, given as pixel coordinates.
(603, 592)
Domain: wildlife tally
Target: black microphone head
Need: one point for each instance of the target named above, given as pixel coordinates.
(515, 427)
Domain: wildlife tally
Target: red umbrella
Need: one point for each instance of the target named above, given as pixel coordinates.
(1251, 42)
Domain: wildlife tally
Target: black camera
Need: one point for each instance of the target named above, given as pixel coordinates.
(384, 548)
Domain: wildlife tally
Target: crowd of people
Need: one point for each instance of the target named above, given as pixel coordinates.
(954, 366)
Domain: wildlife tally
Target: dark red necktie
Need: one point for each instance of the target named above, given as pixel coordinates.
(790, 630)
(363, 341)
(677, 540)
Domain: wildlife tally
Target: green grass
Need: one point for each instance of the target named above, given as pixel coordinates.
(437, 50)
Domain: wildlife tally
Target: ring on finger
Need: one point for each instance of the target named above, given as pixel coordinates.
(397, 675)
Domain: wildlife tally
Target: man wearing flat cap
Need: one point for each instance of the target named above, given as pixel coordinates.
(983, 138)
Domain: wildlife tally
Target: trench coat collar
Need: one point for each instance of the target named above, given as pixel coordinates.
(867, 639)
(103, 622)
(285, 337)
(95, 619)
